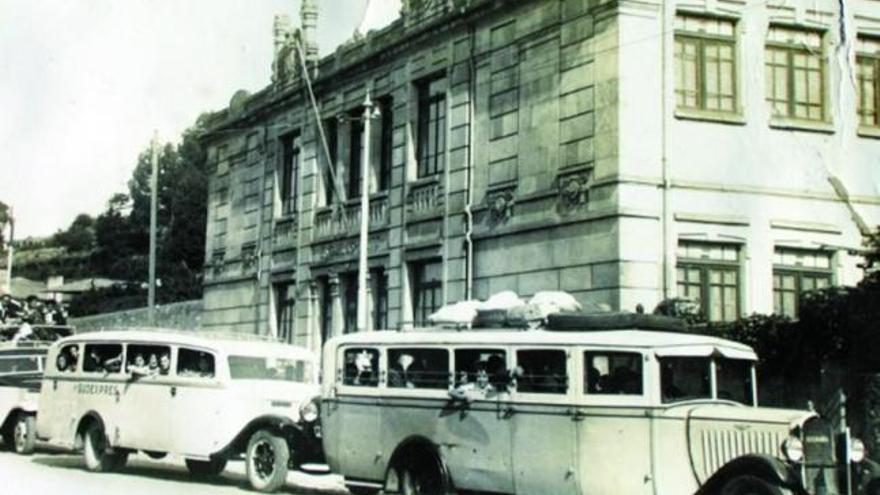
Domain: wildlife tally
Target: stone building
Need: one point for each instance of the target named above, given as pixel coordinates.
(623, 151)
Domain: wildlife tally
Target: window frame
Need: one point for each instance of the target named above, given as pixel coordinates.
(428, 164)
(384, 374)
(790, 84)
(386, 143)
(355, 168)
(703, 40)
(290, 157)
(706, 266)
(285, 321)
(873, 61)
(175, 364)
(351, 389)
(799, 272)
(645, 399)
(544, 397)
(419, 286)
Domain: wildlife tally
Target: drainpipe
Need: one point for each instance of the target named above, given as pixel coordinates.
(259, 245)
(468, 180)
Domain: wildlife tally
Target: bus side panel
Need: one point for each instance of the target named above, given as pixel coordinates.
(615, 440)
(358, 446)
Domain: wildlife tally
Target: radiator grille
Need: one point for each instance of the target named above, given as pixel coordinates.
(721, 446)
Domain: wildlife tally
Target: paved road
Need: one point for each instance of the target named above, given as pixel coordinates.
(53, 473)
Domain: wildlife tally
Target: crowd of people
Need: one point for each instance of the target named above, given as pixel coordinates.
(31, 310)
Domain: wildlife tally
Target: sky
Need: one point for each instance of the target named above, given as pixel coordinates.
(84, 83)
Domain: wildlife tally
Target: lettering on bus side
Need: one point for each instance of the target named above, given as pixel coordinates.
(95, 389)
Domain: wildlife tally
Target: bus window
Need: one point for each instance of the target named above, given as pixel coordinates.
(67, 358)
(361, 368)
(617, 373)
(148, 359)
(193, 363)
(541, 372)
(486, 368)
(19, 364)
(103, 358)
(684, 378)
(733, 378)
(418, 368)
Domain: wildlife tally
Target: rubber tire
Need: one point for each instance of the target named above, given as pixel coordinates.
(95, 454)
(8, 436)
(420, 478)
(362, 490)
(751, 485)
(24, 442)
(206, 468)
(280, 453)
(154, 454)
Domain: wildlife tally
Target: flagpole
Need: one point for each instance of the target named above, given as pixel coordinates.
(362, 310)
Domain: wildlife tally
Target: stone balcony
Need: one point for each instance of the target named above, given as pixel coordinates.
(344, 219)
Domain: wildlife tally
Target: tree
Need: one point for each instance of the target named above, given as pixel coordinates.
(80, 236)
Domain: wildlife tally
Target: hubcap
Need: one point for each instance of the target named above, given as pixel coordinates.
(264, 459)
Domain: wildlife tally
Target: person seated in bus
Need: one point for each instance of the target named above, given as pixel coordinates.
(61, 362)
(138, 365)
(594, 380)
(398, 375)
(112, 365)
(206, 368)
(164, 363)
(153, 364)
(480, 388)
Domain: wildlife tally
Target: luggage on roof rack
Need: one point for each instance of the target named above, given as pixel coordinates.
(574, 322)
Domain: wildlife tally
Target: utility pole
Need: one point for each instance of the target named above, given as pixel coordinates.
(154, 182)
(362, 309)
(9, 249)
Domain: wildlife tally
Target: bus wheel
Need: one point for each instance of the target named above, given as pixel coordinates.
(751, 485)
(97, 454)
(266, 461)
(206, 468)
(155, 454)
(25, 434)
(415, 478)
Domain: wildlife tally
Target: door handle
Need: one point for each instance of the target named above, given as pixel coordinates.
(173, 391)
(54, 384)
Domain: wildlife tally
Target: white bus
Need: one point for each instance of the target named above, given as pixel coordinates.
(207, 400)
(627, 411)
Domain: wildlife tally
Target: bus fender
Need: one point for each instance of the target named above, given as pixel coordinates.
(766, 467)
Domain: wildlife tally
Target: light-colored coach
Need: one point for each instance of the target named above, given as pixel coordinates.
(206, 399)
(610, 412)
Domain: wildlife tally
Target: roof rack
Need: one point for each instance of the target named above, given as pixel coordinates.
(613, 321)
(220, 335)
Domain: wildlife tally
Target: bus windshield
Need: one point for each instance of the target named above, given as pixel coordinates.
(271, 368)
(689, 377)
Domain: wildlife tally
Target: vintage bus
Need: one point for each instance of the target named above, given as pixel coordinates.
(591, 405)
(204, 398)
(22, 359)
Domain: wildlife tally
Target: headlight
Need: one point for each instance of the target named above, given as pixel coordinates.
(793, 449)
(308, 411)
(857, 450)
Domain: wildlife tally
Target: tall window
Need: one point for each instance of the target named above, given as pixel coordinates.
(794, 272)
(380, 298)
(326, 310)
(285, 303)
(330, 132)
(386, 143)
(427, 290)
(350, 300)
(705, 64)
(795, 74)
(868, 83)
(432, 126)
(355, 150)
(290, 150)
(709, 274)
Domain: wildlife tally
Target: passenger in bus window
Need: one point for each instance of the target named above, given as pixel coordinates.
(138, 365)
(206, 368)
(399, 375)
(164, 364)
(153, 365)
(61, 362)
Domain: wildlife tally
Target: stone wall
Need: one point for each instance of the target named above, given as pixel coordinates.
(185, 315)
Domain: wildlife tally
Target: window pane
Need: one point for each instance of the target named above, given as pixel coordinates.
(195, 364)
(734, 380)
(361, 367)
(484, 370)
(684, 378)
(418, 368)
(541, 372)
(148, 359)
(613, 373)
(68, 358)
(103, 358)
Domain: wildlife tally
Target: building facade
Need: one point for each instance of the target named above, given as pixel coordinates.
(623, 151)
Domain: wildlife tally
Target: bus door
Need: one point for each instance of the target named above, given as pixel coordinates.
(544, 431)
(58, 396)
(101, 386)
(476, 427)
(355, 413)
(197, 403)
(146, 401)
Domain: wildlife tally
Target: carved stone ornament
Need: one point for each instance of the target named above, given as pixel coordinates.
(287, 66)
(500, 204)
(574, 189)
